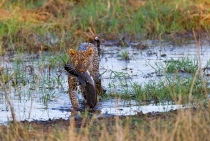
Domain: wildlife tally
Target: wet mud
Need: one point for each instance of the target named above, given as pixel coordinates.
(108, 121)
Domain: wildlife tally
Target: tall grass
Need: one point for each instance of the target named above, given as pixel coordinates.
(67, 20)
(191, 124)
(24, 29)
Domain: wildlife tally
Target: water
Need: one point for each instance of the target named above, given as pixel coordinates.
(40, 90)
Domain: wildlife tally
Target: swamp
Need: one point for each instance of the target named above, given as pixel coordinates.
(154, 68)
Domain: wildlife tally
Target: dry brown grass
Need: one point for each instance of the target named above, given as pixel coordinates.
(52, 9)
(183, 125)
(191, 124)
(136, 4)
(197, 14)
(65, 20)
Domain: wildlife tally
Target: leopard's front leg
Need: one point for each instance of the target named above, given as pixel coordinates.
(73, 83)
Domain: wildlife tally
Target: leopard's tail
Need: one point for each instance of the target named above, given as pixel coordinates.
(98, 45)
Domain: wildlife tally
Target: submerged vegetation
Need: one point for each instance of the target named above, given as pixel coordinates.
(36, 26)
(180, 83)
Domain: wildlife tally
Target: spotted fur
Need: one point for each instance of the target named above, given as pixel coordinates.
(85, 58)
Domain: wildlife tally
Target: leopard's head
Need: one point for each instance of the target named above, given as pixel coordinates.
(81, 59)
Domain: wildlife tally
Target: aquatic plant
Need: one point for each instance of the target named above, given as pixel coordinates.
(124, 55)
(184, 65)
(29, 26)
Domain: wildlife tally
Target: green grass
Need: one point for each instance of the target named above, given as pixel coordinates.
(34, 76)
(177, 89)
(184, 65)
(180, 82)
(112, 18)
(124, 55)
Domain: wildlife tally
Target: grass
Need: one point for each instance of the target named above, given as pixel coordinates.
(185, 90)
(191, 124)
(124, 55)
(23, 75)
(30, 26)
(180, 82)
(184, 65)
(177, 89)
(32, 21)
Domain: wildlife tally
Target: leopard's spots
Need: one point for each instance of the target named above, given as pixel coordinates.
(85, 58)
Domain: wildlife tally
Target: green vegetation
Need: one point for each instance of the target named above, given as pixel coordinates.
(180, 89)
(181, 82)
(56, 24)
(36, 26)
(29, 76)
(124, 55)
(183, 65)
(177, 89)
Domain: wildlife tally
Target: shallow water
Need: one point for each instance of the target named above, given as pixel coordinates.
(40, 92)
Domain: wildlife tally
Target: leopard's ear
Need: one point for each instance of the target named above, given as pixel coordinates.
(89, 52)
(72, 52)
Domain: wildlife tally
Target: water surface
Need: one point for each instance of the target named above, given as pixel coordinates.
(40, 91)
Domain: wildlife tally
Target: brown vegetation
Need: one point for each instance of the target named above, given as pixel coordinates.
(188, 124)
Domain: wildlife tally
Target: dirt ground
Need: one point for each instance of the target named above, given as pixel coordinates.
(109, 120)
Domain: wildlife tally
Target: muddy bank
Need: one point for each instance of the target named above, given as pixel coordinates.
(94, 128)
(108, 120)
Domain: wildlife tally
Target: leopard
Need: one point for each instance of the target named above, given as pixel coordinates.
(85, 58)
